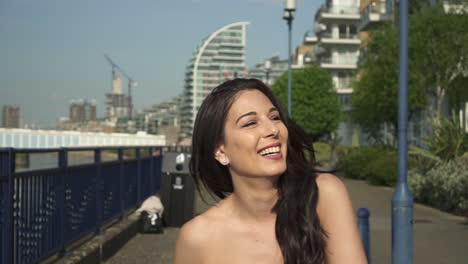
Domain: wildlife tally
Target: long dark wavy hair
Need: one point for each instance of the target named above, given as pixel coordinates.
(298, 230)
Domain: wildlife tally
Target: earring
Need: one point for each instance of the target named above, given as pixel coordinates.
(224, 161)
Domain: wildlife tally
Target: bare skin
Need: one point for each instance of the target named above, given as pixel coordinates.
(241, 228)
(229, 239)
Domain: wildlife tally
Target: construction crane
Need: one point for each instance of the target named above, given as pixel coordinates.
(131, 82)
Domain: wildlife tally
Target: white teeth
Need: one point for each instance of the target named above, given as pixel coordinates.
(271, 150)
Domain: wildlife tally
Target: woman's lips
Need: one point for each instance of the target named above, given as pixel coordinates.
(276, 156)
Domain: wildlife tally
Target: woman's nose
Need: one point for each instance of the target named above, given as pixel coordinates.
(271, 129)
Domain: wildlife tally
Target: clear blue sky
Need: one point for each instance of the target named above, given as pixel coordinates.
(51, 50)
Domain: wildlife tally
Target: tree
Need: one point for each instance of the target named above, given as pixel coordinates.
(438, 48)
(440, 44)
(315, 105)
(374, 101)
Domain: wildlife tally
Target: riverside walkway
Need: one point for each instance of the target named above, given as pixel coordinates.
(439, 238)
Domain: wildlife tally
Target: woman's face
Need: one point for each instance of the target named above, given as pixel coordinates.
(255, 137)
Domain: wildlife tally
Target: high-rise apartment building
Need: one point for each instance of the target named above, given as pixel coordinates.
(337, 50)
(11, 116)
(219, 57)
(82, 110)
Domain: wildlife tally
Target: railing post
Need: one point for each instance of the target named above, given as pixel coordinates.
(121, 184)
(157, 169)
(150, 173)
(99, 191)
(7, 168)
(61, 206)
(363, 225)
(139, 170)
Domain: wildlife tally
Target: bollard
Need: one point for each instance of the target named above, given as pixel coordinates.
(363, 225)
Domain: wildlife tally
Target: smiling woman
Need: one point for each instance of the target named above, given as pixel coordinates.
(274, 207)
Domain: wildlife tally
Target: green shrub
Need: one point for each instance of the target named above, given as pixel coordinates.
(444, 187)
(383, 170)
(449, 139)
(425, 159)
(353, 161)
(417, 182)
(377, 164)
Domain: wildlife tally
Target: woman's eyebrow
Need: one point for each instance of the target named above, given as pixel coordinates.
(246, 114)
(272, 109)
(254, 113)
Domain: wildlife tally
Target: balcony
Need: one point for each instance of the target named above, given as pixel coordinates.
(310, 39)
(374, 14)
(232, 51)
(344, 91)
(339, 63)
(342, 38)
(338, 12)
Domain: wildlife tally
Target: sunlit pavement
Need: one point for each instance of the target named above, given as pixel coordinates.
(438, 237)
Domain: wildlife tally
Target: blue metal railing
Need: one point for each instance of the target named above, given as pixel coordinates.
(44, 211)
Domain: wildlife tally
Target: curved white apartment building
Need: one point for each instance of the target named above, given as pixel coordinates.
(220, 57)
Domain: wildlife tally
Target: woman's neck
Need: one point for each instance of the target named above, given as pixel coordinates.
(253, 199)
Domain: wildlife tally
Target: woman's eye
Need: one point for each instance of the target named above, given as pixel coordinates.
(276, 117)
(249, 124)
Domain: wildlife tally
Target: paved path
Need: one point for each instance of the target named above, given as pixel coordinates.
(439, 238)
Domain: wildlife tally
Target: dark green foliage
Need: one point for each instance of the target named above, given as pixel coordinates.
(423, 158)
(448, 139)
(353, 161)
(438, 62)
(315, 105)
(383, 170)
(375, 95)
(458, 94)
(439, 42)
(377, 164)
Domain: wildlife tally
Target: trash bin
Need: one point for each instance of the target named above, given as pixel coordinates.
(177, 189)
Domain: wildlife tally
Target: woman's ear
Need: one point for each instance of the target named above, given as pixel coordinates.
(220, 155)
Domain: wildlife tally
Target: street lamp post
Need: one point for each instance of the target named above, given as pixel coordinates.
(267, 67)
(402, 200)
(289, 9)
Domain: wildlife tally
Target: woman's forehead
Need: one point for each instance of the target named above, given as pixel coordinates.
(250, 100)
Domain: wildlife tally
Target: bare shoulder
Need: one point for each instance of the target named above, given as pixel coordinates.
(191, 231)
(329, 184)
(333, 195)
(191, 240)
(328, 179)
(195, 237)
(337, 217)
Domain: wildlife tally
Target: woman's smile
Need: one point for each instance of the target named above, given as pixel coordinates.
(271, 151)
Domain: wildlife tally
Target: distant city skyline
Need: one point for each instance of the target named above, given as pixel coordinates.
(52, 51)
